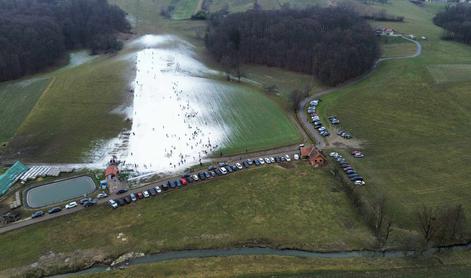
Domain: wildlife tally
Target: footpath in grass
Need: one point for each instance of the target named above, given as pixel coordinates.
(295, 207)
(416, 130)
(17, 98)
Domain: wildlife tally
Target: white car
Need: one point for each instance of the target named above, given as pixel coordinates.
(261, 161)
(296, 156)
(113, 204)
(146, 194)
(223, 171)
(360, 183)
(288, 158)
(71, 205)
(102, 195)
(267, 160)
(334, 154)
(195, 178)
(158, 190)
(239, 166)
(272, 159)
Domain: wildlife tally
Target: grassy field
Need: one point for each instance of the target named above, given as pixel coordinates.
(184, 9)
(415, 129)
(243, 5)
(17, 98)
(74, 112)
(396, 47)
(275, 266)
(288, 208)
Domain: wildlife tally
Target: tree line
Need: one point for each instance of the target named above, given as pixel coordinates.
(456, 20)
(35, 34)
(334, 44)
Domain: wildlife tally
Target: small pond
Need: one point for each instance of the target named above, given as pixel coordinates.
(59, 191)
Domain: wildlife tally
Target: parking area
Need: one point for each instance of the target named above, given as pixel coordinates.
(220, 169)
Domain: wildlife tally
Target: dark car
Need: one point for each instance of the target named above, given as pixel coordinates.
(249, 161)
(121, 191)
(90, 203)
(54, 210)
(218, 172)
(211, 168)
(152, 192)
(207, 175)
(257, 162)
(358, 178)
(222, 164)
(188, 178)
(229, 169)
(84, 200)
(245, 164)
(201, 176)
(139, 195)
(37, 214)
(120, 202)
(277, 159)
(212, 173)
(164, 187)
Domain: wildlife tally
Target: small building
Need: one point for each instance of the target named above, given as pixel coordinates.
(314, 156)
(103, 184)
(111, 172)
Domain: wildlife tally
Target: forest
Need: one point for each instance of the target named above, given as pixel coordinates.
(35, 34)
(456, 20)
(333, 44)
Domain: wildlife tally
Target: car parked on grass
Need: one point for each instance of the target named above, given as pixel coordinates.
(140, 195)
(195, 177)
(120, 202)
(133, 197)
(102, 195)
(183, 181)
(296, 156)
(165, 187)
(146, 194)
(357, 154)
(261, 160)
(152, 192)
(127, 199)
(257, 162)
(223, 170)
(54, 210)
(71, 205)
(239, 166)
(113, 204)
(37, 214)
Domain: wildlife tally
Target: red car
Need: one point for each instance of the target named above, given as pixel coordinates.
(139, 195)
(183, 181)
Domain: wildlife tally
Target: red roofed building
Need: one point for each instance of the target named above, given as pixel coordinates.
(314, 155)
(111, 171)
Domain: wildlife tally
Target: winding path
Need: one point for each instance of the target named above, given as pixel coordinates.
(302, 116)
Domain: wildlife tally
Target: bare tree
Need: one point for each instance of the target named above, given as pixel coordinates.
(381, 225)
(427, 220)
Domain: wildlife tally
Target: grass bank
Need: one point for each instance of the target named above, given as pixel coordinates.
(287, 208)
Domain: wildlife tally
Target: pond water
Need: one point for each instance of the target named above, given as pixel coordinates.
(59, 191)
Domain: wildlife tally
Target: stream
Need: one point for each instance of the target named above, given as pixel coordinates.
(263, 251)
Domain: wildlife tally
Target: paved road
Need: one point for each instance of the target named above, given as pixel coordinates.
(302, 115)
(29, 221)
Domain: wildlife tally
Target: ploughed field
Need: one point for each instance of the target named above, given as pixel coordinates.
(414, 119)
(288, 207)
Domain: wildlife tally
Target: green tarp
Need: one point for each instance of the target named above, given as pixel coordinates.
(11, 176)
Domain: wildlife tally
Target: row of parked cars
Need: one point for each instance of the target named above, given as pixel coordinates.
(315, 119)
(221, 169)
(352, 175)
(85, 202)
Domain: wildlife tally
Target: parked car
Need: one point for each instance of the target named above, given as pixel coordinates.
(127, 199)
(272, 159)
(357, 154)
(212, 173)
(195, 178)
(121, 191)
(207, 175)
(82, 201)
(37, 214)
(71, 205)
(113, 204)
(288, 158)
(245, 164)
(164, 187)
(120, 202)
(249, 161)
(140, 195)
(239, 166)
(133, 197)
(90, 203)
(158, 190)
(359, 182)
(152, 192)
(54, 210)
(261, 161)
(201, 176)
(257, 162)
(229, 169)
(267, 160)
(296, 156)
(102, 195)
(223, 170)
(183, 181)
(218, 171)
(146, 194)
